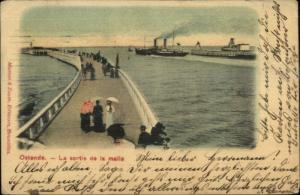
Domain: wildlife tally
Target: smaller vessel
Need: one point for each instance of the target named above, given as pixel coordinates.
(232, 50)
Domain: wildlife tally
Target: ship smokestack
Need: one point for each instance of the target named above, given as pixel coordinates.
(155, 42)
(231, 42)
(165, 43)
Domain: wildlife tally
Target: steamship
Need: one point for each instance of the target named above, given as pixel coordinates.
(232, 50)
(160, 51)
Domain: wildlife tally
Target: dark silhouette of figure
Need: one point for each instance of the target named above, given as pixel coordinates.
(104, 60)
(84, 122)
(117, 72)
(97, 56)
(156, 133)
(83, 71)
(144, 138)
(92, 69)
(116, 131)
(85, 112)
(87, 66)
(112, 73)
(97, 117)
(104, 69)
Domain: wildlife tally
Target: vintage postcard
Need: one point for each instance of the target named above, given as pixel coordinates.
(149, 97)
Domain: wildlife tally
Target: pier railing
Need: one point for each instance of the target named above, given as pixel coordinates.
(32, 129)
(72, 59)
(148, 117)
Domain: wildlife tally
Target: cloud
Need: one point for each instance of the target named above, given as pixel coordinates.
(227, 21)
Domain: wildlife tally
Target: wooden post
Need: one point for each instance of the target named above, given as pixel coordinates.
(31, 134)
(41, 122)
(50, 113)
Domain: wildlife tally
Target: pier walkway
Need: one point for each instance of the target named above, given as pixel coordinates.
(65, 129)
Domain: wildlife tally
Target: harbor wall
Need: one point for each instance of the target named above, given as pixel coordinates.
(28, 134)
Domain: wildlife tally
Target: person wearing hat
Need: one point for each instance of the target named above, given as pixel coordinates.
(92, 69)
(144, 138)
(97, 117)
(84, 115)
(109, 109)
(156, 133)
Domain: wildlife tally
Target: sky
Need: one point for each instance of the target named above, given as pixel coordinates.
(132, 25)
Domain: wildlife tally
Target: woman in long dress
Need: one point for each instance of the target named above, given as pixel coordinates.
(85, 112)
(97, 117)
(109, 109)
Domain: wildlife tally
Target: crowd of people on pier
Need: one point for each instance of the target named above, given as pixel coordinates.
(88, 68)
(107, 68)
(92, 114)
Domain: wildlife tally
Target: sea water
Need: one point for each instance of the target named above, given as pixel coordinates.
(41, 79)
(202, 101)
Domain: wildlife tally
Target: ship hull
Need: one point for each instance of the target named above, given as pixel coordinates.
(225, 54)
(170, 54)
(158, 52)
(143, 51)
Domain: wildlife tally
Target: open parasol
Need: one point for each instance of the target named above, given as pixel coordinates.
(113, 99)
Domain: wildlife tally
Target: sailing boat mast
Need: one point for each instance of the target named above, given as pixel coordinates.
(144, 41)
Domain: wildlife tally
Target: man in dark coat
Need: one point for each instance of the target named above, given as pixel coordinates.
(97, 117)
(104, 69)
(112, 72)
(92, 69)
(156, 133)
(144, 138)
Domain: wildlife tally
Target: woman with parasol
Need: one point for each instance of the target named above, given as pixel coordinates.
(110, 110)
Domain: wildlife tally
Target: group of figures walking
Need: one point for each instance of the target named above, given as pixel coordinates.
(93, 114)
(89, 110)
(107, 67)
(113, 71)
(88, 68)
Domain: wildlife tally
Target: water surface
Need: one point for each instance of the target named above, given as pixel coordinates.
(203, 101)
(41, 79)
